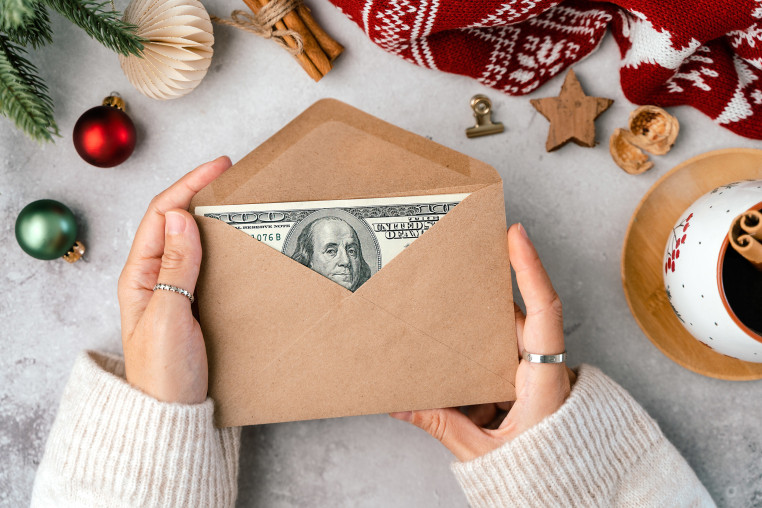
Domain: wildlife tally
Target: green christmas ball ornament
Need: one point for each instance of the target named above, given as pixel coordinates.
(46, 229)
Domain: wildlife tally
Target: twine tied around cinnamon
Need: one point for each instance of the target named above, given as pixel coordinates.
(262, 23)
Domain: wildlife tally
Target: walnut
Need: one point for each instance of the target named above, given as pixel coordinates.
(627, 154)
(654, 129)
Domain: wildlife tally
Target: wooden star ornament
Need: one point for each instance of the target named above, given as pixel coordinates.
(571, 115)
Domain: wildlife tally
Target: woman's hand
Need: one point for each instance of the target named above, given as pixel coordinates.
(164, 351)
(540, 388)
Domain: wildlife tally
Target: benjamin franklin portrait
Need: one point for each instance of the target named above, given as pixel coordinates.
(331, 246)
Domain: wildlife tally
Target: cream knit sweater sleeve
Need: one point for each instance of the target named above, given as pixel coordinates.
(113, 446)
(601, 449)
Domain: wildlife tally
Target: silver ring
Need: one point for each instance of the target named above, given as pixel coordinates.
(535, 358)
(168, 287)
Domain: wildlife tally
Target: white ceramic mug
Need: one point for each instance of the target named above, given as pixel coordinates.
(696, 253)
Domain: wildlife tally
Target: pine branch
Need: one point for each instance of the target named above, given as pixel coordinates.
(101, 23)
(15, 13)
(35, 31)
(23, 96)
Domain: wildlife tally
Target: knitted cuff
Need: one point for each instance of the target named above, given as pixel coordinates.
(574, 457)
(113, 445)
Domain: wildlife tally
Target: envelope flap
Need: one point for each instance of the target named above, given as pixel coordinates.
(334, 151)
(454, 282)
(249, 292)
(357, 359)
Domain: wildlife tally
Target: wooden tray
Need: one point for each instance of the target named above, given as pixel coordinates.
(643, 250)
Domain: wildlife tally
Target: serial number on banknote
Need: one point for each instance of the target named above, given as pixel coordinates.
(345, 240)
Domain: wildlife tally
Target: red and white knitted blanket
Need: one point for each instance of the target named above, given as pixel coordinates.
(706, 54)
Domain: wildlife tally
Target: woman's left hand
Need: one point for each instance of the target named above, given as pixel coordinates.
(541, 389)
(164, 350)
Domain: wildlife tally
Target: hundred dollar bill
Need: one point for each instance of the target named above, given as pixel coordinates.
(345, 240)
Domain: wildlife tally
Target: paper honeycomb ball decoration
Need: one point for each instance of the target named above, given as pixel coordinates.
(178, 50)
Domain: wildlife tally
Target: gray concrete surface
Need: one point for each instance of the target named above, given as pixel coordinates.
(575, 204)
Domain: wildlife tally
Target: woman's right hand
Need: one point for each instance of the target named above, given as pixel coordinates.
(540, 388)
(164, 352)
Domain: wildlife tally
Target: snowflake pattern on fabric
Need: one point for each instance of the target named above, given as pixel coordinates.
(704, 54)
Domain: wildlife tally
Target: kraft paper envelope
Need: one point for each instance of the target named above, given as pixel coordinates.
(433, 328)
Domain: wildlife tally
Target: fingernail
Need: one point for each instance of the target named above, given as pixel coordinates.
(402, 415)
(523, 231)
(227, 159)
(175, 223)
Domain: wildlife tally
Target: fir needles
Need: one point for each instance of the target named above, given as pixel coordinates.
(23, 95)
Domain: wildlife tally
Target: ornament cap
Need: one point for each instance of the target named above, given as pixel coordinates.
(75, 253)
(114, 101)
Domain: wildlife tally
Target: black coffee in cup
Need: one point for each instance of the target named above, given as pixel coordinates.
(742, 283)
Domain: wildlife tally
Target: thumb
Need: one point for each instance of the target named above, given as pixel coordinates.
(182, 251)
(453, 429)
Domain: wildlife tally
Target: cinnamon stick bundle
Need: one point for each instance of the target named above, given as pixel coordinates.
(751, 222)
(319, 48)
(745, 236)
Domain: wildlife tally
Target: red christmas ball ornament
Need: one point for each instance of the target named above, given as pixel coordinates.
(105, 136)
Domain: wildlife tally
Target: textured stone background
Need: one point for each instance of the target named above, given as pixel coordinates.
(575, 204)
